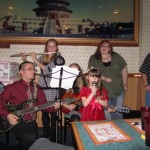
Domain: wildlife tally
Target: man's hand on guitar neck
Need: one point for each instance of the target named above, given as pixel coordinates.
(12, 119)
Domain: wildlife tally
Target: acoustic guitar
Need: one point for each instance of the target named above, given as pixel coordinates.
(75, 97)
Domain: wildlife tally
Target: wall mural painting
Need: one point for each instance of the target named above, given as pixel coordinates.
(75, 21)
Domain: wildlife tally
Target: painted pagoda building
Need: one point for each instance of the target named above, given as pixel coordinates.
(53, 10)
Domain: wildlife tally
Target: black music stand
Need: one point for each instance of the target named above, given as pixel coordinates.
(60, 79)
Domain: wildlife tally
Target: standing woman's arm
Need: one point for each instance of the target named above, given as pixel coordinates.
(144, 79)
(34, 59)
(124, 73)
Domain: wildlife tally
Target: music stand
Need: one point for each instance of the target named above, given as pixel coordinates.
(59, 74)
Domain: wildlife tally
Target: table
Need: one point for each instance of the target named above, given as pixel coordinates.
(84, 142)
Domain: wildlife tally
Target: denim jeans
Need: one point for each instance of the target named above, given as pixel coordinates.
(147, 98)
(115, 101)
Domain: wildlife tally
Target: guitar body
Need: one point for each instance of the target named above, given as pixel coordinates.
(70, 95)
(4, 124)
(14, 109)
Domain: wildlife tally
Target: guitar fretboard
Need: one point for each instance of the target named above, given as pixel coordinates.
(40, 107)
(35, 108)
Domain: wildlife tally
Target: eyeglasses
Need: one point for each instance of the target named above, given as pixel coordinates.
(30, 69)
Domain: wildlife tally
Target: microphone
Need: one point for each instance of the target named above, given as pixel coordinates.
(94, 84)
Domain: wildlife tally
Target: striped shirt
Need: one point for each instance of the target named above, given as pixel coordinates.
(145, 67)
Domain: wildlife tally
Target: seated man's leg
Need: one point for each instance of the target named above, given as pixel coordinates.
(46, 124)
(53, 127)
(26, 134)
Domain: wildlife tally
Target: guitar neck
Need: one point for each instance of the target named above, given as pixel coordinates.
(35, 108)
(40, 107)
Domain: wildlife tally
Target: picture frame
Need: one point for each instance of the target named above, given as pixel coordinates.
(7, 39)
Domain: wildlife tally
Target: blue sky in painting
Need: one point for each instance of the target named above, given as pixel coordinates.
(101, 10)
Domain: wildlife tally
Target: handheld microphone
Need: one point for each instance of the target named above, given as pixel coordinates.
(94, 84)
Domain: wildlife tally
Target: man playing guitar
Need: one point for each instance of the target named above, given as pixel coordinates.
(17, 95)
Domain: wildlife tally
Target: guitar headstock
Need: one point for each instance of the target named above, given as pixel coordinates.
(123, 109)
(120, 109)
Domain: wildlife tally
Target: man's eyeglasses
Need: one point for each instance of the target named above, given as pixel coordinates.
(30, 69)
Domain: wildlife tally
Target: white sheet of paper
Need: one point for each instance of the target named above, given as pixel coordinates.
(68, 77)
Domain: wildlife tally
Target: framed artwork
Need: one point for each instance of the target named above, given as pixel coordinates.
(71, 22)
(106, 132)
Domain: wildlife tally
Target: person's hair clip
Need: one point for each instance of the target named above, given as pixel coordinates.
(92, 67)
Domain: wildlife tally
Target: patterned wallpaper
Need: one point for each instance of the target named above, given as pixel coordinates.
(144, 30)
(80, 54)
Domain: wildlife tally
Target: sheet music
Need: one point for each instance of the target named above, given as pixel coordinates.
(68, 77)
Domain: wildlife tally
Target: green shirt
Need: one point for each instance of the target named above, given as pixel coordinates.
(113, 71)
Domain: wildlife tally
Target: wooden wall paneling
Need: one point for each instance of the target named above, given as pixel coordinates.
(135, 95)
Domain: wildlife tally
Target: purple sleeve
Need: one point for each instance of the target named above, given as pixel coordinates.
(4, 97)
